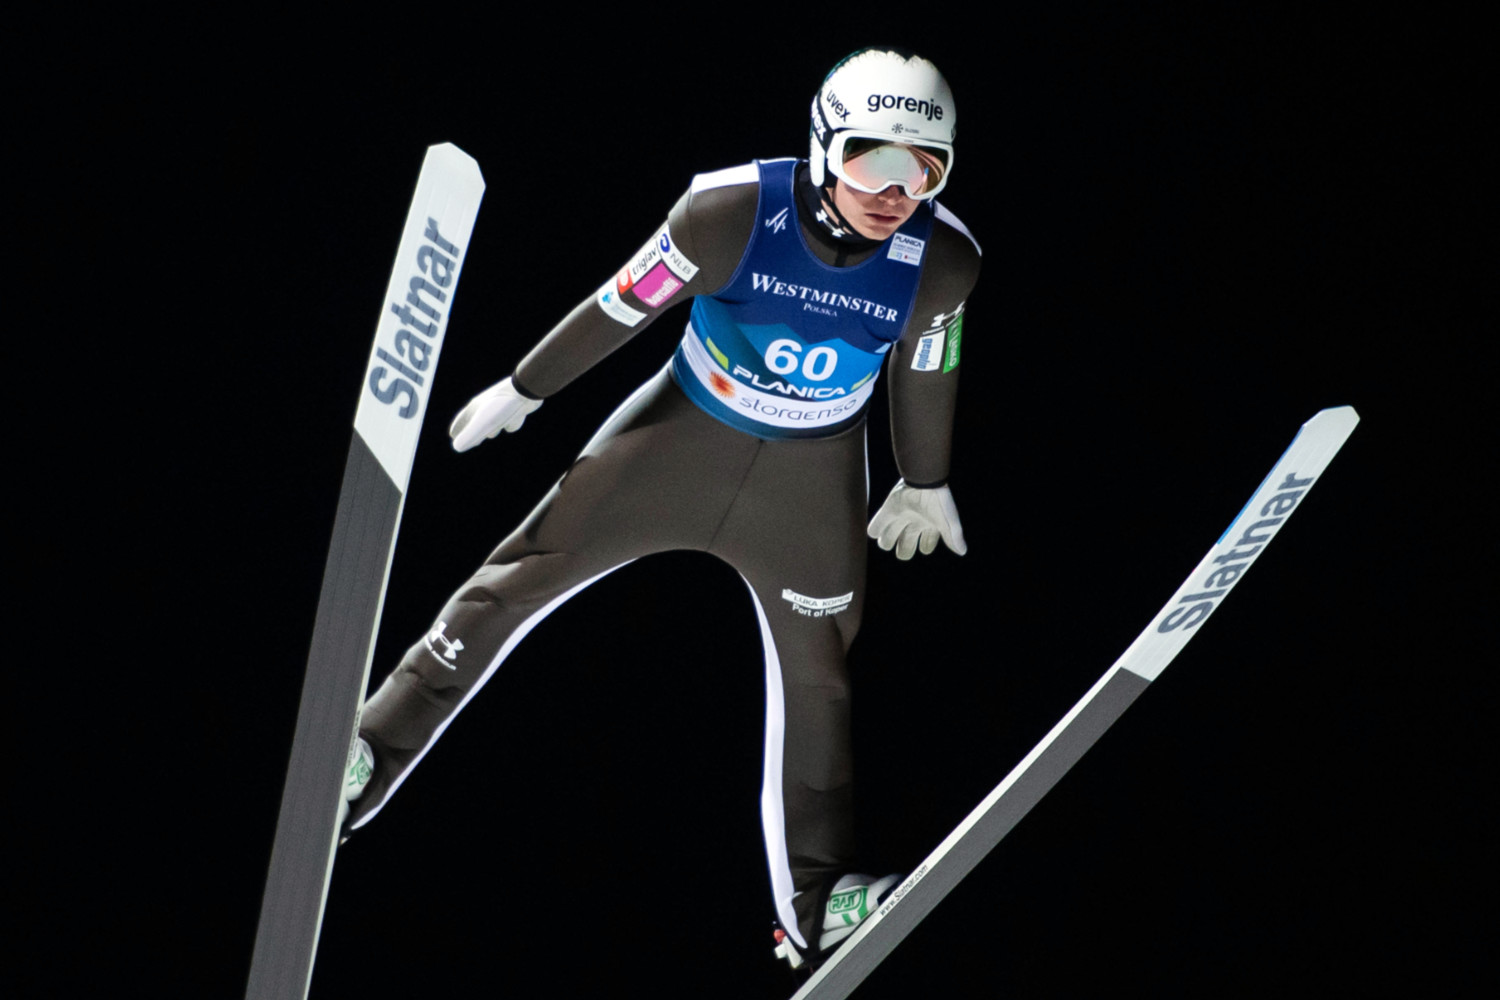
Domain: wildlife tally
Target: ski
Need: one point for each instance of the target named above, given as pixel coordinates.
(1204, 589)
(387, 424)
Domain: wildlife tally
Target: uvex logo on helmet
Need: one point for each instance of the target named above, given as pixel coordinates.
(837, 106)
(893, 102)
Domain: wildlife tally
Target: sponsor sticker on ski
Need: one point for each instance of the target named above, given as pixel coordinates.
(419, 298)
(1226, 564)
(904, 888)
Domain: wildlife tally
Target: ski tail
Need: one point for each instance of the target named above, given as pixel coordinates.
(387, 424)
(1241, 544)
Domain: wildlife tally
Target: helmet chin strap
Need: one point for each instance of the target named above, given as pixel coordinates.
(817, 203)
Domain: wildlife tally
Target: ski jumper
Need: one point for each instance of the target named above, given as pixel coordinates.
(749, 445)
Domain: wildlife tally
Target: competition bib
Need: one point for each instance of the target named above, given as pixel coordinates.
(791, 347)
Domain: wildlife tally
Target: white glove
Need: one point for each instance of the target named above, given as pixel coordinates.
(912, 518)
(498, 408)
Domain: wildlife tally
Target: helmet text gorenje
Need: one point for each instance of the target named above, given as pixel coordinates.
(890, 102)
(881, 92)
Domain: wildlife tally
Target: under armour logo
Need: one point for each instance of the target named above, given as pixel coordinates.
(451, 648)
(777, 222)
(942, 318)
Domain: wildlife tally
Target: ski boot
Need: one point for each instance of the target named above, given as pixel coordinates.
(851, 900)
(361, 768)
(356, 777)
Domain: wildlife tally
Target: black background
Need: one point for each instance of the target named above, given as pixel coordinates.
(1199, 228)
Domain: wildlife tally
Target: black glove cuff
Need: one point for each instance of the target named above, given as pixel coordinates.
(521, 390)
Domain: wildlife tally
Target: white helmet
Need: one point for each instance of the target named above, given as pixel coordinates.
(880, 97)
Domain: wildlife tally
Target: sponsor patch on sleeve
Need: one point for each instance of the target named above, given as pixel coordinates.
(658, 250)
(657, 286)
(955, 333)
(816, 607)
(680, 265)
(906, 249)
(929, 354)
(644, 260)
(609, 301)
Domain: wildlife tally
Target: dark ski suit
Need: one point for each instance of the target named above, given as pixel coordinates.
(749, 445)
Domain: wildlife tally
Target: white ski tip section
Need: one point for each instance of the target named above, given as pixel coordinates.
(1242, 543)
(1335, 417)
(409, 333)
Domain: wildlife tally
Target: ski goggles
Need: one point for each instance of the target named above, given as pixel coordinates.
(871, 162)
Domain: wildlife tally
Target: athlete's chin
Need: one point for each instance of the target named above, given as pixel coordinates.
(881, 226)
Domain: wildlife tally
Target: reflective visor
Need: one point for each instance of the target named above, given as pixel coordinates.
(873, 164)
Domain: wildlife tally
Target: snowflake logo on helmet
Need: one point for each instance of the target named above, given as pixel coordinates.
(898, 128)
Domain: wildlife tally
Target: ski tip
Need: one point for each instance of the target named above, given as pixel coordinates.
(1335, 414)
(447, 149)
(455, 159)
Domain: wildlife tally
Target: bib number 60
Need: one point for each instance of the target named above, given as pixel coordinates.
(781, 358)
